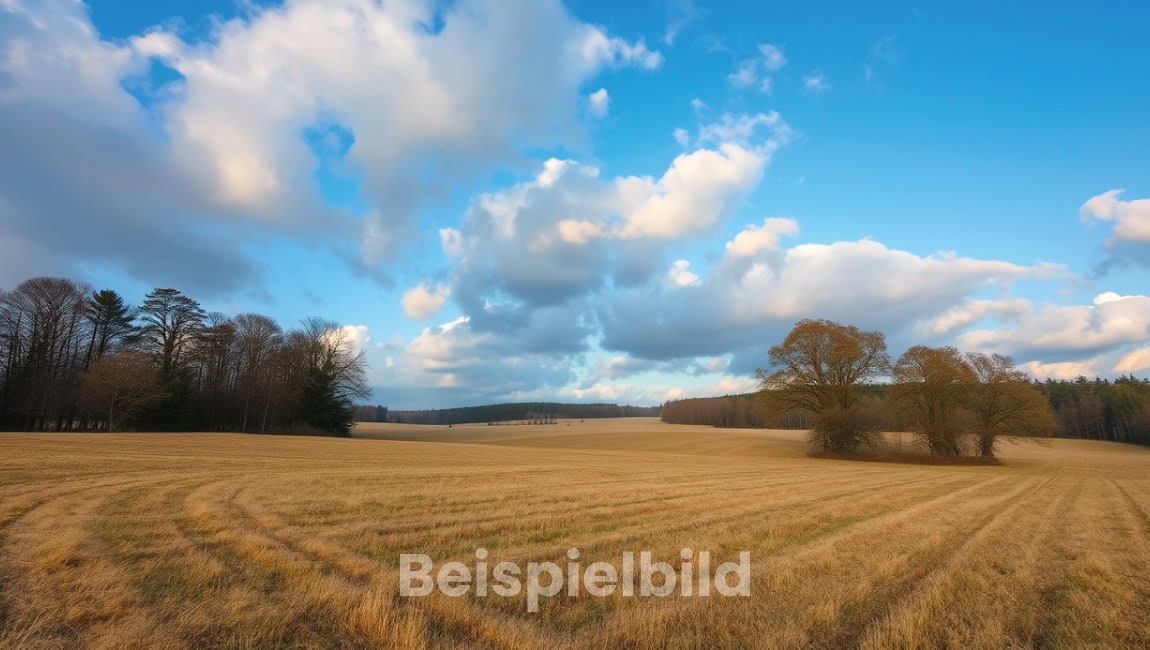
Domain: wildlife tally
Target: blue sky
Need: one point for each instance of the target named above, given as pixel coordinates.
(594, 201)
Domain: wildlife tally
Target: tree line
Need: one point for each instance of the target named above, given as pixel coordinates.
(74, 358)
(515, 412)
(839, 382)
(1100, 409)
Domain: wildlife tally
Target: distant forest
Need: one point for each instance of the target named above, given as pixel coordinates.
(1100, 409)
(522, 411)
(73, 358)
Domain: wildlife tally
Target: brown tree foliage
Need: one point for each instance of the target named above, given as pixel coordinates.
(931, 385)
(820, 367)
(1005, 403)
(944, 394)
(120, 386)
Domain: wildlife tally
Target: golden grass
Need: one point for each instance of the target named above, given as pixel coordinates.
(219, 540)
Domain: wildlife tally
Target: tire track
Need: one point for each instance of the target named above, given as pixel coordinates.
(1037, 530)
(69, 594)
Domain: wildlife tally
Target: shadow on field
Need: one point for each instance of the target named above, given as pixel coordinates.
(908, 458)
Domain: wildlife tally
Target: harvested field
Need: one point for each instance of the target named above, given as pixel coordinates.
(222, 540)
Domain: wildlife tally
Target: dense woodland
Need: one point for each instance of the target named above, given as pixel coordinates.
(1096, 408)
(72, 358)
(518, 412)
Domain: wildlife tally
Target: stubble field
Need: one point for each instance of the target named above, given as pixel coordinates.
(220, 540)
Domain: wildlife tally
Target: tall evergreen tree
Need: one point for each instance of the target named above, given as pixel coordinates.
(110, 319)
(170, 322)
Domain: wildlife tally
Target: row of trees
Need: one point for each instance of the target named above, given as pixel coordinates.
(1097, 408)
(1118, 410)
(73, 358)
(823, 368)
(518, 412)
(741, 411)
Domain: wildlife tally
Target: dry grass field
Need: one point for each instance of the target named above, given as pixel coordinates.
(219, 540)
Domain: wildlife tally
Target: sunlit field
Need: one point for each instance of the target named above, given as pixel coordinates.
(222, 540)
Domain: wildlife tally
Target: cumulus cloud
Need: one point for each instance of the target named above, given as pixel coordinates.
(757, 71)
(254, 109)
(746, 297)
(423, 301)
(1135, 361)
(971, 311)
(1131, 218)
(680, 275)
(457, 100)
(572, 263)
(1060, 370)
(357, 337)
(530, 265)
(81, 177)
(772, 57)
(549, 252)
(1129, 239)
(567, 231)
(598, 103)
(538, 353)
(1070, 331)
(745, 74)
(744, 129)
(755, 239)
(695, 192)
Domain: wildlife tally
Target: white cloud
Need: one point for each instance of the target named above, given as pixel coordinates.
(1060, 370)
(757, 71)
(424, 301)
(743, 129)
(681, 13)
(680, 275)
(815, 83)
(599, 392)
(598, 47)
(361, 87)
(578, 232)
(681, 136)
(568, 203)
(755, 239)
(598, 103)
(52, 56)
(356, 336)
(849, 278)
(70, 122)
(971, 311)
(1131, 219)
(451, 240)
(746, 74)
(1135, 361)
(773, 59)
(758, 288)
(462, 354)
(695, 192)
(1110, 322)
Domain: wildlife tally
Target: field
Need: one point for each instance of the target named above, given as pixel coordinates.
(202, 540)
